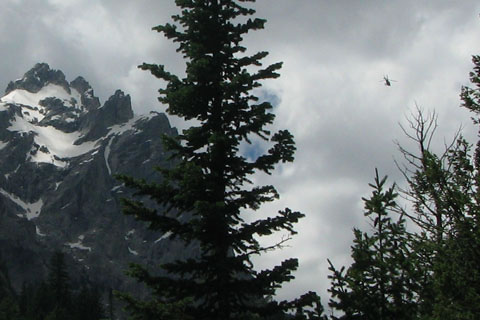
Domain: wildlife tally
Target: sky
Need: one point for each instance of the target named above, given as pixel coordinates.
(330, 95)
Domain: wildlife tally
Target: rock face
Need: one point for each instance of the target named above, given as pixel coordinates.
(37, 78)
(59, 152)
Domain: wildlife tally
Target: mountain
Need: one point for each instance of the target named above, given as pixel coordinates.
(59, 151)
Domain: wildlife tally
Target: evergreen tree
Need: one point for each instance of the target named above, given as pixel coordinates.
(382, 281)
(59, 282)
(9, 309)
(110, 304)
(58, 313)
(6, 289)
(24, 299)
(211, 181)
(41, 304)
(87, 304)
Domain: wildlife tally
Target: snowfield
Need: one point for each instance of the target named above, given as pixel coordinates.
(24, 97)
(32, 210)
(53, 145)
(60, 145)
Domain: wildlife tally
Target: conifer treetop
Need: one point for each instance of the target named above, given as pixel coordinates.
(211, 181)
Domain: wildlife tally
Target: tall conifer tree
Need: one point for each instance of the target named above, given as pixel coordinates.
(211, 181)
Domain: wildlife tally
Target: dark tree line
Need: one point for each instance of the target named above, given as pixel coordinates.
(51, 299)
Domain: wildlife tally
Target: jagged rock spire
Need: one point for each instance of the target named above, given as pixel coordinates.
(37, 78)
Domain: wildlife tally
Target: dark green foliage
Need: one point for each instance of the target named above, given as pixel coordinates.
(382, 281)
(41, 304)
(211, 181)
(6, 290)
(111, 304)
(155, 309)
(9, 309)
(58, 283)
(58, 313)
(55, 298)
(87, 304)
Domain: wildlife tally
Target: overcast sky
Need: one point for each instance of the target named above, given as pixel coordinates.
(330, 94)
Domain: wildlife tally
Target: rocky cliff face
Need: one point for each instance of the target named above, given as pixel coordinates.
(59, 152)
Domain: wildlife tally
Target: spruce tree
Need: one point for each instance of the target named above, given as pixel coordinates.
(59, 282)
(87, 304)
(211, 181)
(383, 281)
(42, 302)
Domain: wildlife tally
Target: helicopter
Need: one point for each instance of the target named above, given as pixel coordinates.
(387, 81)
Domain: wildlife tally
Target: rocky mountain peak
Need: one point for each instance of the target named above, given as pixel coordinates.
(81, 85)
(88, 98)
(37, 78)
(44, 97)
(59, 152)
(118, 108)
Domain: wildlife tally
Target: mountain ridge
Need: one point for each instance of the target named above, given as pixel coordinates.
(59, 151)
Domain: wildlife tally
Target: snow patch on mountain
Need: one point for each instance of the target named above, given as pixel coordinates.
(32, 210)
(3, 144)
(135, 253)
(117, 130)
(130, 125)
(163, 237)
(24, 97)
(106, 154)
(79, 244)
(38, 232)
(129, 234)
(32, 114)
(60, 145)
(40, 156)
